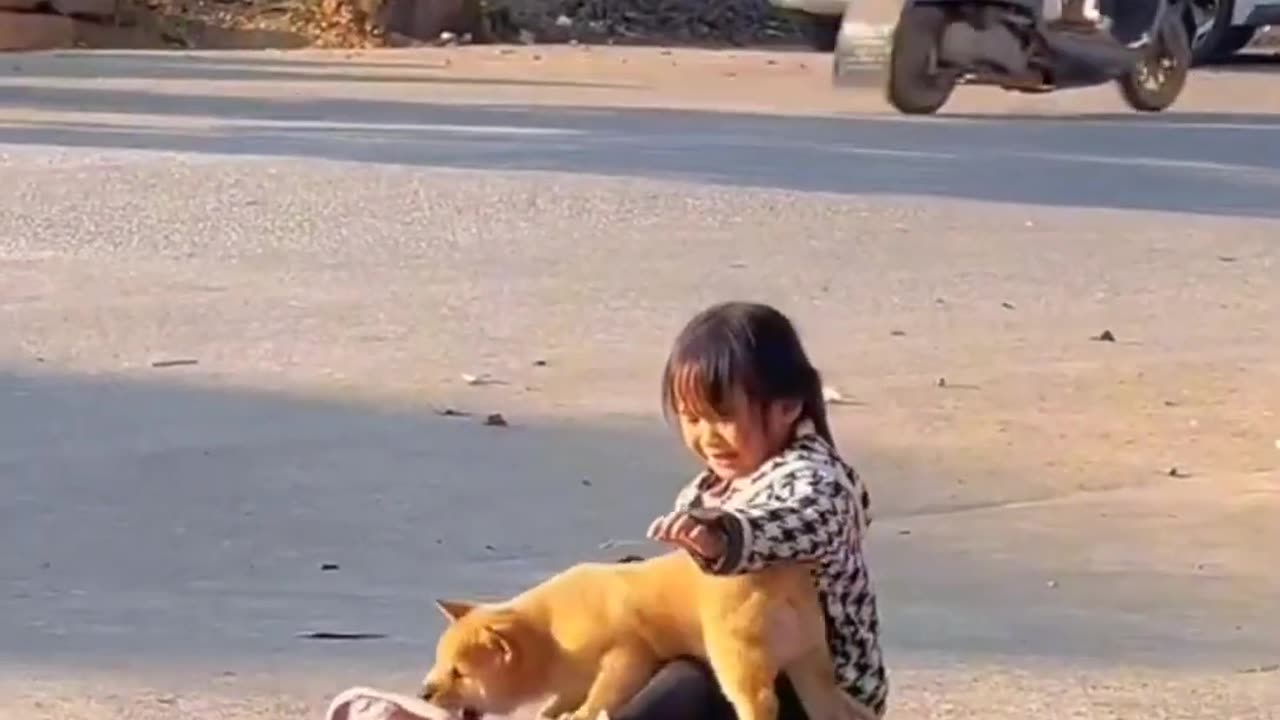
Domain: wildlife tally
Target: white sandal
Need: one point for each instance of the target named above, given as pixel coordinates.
(363, 703)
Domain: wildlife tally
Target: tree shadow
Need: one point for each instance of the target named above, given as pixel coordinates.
(167, 522)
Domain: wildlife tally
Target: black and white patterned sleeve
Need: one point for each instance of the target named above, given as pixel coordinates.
(803, 516)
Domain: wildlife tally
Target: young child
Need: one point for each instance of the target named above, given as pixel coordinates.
(750, 407)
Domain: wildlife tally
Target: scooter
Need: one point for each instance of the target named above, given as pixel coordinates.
(1027, 46)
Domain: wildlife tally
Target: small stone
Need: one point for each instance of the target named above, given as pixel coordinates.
(898, 333)
(564, 21)
(178, 362)
(1104, 336)
(1052, 583)
(540, 363)
(1008, 305)
(495, 420)
(942, 382)
(329, 635)
(1175, 472)
(328, 567)
(586, 482)
(904, 532)
(1227, 258)
(481, 379)
(452, 412)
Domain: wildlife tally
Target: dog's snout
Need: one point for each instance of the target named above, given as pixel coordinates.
(428, 692)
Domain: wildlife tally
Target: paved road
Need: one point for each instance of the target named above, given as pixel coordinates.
(1205, 163)
(181, 515)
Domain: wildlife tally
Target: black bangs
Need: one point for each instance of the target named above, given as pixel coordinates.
(739, 346)
(704, 370)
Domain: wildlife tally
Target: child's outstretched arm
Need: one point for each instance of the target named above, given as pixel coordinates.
(808, 514)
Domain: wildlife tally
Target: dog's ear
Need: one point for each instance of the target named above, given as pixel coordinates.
(502, 635)
(454, 610)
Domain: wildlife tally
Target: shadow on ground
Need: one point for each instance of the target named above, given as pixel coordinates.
(203, 68)
(167, 522)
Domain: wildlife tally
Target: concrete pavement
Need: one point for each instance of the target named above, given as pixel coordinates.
(1062, 524)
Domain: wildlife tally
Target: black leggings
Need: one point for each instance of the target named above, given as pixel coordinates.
(687, 690)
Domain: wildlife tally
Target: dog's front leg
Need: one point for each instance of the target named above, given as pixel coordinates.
(623, 672)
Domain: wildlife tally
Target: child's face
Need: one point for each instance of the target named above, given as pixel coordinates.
(736, 444)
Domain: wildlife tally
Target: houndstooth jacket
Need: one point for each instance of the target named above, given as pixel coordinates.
(805, 504)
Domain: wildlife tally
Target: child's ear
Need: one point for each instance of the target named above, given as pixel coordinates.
(789, 411)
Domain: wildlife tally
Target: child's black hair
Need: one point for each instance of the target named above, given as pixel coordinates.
(745, 345)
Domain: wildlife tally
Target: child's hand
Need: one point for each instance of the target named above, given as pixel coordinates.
(695, 536)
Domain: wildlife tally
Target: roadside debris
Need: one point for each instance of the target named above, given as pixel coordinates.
(1104, 336)
(481, 379)
(495, 420)
(833, 396)
(176, 362)
(329, 635)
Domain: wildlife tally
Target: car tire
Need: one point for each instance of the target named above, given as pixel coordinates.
(1222, 40)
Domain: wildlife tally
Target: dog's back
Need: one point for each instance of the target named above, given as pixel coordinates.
(749, 627)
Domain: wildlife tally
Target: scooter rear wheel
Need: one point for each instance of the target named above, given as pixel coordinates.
(1157, 80)
(914, 86)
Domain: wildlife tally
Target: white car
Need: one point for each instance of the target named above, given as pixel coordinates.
(1218, 28)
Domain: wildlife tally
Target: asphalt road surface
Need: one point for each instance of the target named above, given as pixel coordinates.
(236, 295)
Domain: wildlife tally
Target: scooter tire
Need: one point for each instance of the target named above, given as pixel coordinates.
(912, 87)
(1172, 46)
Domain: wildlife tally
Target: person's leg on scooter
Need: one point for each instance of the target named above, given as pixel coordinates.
(1080, 14)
